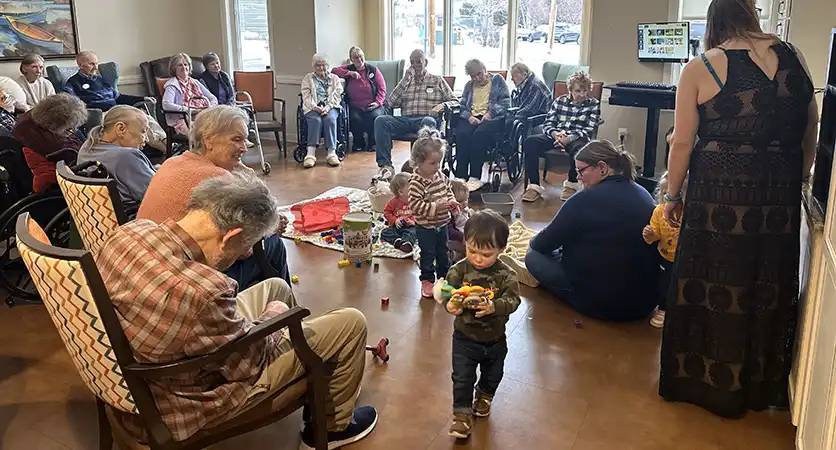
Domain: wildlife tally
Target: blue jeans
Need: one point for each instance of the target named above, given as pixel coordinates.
(318, 122)
(247, 271)
(387, 127)
(468, 355)
(434, 259)
(548, 270)
(391, 234)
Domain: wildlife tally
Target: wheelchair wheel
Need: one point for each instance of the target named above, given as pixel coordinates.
(342, 150)
(300, 153)
(266, 168)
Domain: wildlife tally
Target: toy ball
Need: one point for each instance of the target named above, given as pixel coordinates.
(294, 278)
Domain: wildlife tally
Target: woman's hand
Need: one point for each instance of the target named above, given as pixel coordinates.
(673, 213)
(487, 116)
(473, 120)
(372, 106)
(354, 74)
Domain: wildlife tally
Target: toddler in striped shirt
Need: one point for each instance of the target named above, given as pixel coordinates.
(432, 203)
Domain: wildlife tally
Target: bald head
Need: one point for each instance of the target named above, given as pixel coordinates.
(418, 62)
(88, 62)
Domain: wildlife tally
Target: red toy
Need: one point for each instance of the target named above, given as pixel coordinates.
(384, 301)
(379, 350)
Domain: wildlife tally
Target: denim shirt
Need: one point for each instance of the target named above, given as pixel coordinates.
(499, 99)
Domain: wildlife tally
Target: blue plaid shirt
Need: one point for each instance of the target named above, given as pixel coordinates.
(577, 120)
(531, 96)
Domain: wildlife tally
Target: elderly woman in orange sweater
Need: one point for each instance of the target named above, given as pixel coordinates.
(218, 141)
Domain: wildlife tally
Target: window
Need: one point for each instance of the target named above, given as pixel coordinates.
(479, 29)
(252, 35)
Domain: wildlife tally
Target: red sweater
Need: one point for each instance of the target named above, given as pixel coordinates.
(395, 210)
(38, 143)
(172, 186)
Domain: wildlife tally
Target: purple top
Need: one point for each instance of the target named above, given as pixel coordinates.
(360, 90)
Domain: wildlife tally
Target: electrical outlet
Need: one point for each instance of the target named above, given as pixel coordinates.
(622, 133)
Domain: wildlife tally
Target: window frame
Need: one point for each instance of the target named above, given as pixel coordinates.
(232, 36)
(509, 53)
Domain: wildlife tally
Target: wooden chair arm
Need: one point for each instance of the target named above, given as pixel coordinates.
(291, 318)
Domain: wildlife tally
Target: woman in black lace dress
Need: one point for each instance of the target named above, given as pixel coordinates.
(748, 104)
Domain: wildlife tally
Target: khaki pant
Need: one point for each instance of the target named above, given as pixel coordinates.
(338, 335)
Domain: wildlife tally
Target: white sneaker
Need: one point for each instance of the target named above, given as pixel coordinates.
(658, 319)
(473, 184)
(309, 162)
(385, 173)
(569, 189)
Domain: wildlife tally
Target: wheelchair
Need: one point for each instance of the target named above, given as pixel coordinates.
(48, 208)
(302, 132)
(504, 156)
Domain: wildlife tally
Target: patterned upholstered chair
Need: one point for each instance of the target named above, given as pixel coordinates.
(94, 204)
(78, 303)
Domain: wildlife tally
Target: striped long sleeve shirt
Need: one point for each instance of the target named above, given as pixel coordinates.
(425, 196)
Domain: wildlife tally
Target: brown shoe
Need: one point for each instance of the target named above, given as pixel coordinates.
(482, 405)
(462, 424)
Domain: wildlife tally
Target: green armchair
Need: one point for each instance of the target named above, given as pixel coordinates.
(553, 71)
(392, 71)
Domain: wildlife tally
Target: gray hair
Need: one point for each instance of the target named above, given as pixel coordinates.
(59, 113)
(319, 58)
(474, 66)
(354, 51)
(30, 58)
(119, 113)
(521, 68)
(238, 200)
(83, 55)
(212, 122)
(209, 58)
(174, 60)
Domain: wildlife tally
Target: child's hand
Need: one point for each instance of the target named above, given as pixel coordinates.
(453, 207)
(455, 305)
(409, 222)
(649, 235)
(485, 308)
(399, 223)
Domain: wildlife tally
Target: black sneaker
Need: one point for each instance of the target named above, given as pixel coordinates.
(405, 247)
(398, 242)
(362, 423)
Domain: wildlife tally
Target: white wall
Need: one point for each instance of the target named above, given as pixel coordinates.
(810, 25)
(339, 25)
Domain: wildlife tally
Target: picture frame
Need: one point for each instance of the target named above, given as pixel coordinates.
(46, 27)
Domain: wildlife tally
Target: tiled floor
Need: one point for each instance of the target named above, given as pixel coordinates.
(591, 388)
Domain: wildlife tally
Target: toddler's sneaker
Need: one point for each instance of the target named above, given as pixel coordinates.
(362, 423)
(462, 424)
(427, 289)
(482, 405)
(658, 319)
(405, 247)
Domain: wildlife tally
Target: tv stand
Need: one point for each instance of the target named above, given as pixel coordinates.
(654, 100)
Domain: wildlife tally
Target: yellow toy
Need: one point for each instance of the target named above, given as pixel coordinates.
(470, 296)
(343, 263)
(294, 279)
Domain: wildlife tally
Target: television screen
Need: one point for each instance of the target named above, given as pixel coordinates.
(664, 42)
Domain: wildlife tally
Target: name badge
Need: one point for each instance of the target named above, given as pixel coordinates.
(85, 86)
(371, 75)
(430, 90)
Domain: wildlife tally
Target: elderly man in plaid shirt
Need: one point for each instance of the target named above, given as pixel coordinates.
(174, 303)
(421, 97)
(569, 126)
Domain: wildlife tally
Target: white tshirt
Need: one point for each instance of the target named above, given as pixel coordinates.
(36, 91)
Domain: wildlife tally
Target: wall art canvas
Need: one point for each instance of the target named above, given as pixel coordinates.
(46, 27)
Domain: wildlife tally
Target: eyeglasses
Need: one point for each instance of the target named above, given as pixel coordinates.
(581, 170)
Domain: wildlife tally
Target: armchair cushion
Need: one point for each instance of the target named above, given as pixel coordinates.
(158, 68)
(392, 71)
(553, 71)
(58, 76)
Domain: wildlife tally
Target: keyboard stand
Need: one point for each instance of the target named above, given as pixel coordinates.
(654, 100)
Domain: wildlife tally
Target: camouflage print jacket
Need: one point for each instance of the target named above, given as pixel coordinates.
(506, 298)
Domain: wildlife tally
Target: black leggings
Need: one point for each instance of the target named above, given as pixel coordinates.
(535, 146)
(362, 121)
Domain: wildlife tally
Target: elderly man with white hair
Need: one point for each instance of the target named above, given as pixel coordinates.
(217, 142)
(321, 102)
(420, 96)
(93, 89)
(174, 302)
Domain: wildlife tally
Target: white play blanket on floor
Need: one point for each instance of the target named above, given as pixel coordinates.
(358, 200)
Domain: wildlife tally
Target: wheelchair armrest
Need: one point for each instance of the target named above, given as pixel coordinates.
(512, 110)
(60, 155)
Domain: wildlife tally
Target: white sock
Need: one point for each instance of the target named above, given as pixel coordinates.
(331, 151)
(311, 151)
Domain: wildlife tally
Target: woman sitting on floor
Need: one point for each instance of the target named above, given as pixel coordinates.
(485, 100)
(184, 94)
(47, 128)
(217, 142)
(32, 79)
(321, 99)
(592, 255)
(117, 144)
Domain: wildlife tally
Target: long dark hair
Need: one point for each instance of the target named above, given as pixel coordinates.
(732, 19)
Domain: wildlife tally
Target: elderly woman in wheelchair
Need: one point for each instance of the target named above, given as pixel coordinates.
(321, 105)
(184, 96)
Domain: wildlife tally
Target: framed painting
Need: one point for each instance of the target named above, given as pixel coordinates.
(45, 27)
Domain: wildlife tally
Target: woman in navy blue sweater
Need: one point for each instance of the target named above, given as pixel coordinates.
(592, 255)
